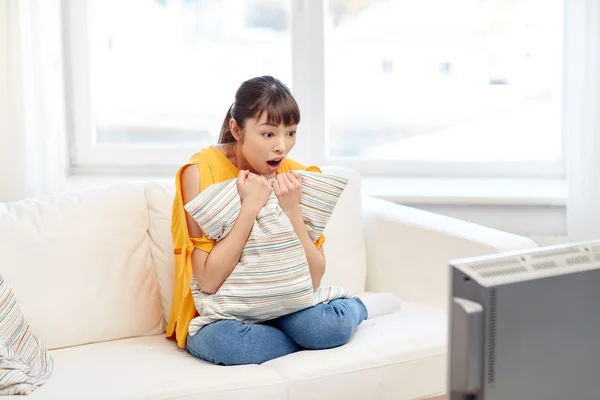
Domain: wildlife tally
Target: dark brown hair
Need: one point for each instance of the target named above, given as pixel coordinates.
(258, 95)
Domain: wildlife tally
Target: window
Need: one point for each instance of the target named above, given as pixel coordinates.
(450, 85)
(388, 87)
(163, 73)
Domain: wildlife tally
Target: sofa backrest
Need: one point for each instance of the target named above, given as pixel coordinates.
(97, 265)
(345, 250)
(80, 265)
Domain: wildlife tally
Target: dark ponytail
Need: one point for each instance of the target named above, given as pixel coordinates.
(226, 136)
(256, 96)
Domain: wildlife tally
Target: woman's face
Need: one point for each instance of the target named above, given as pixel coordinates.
(264, 146)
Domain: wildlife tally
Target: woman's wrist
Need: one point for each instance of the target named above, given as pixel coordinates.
(297, 220)
(248, 211)
(293, 212)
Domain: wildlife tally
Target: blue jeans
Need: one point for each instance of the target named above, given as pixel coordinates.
(323, 326)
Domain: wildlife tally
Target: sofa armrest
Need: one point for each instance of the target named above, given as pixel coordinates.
(408, 250)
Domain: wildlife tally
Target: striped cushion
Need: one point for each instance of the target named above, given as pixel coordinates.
(272, 277)
(24, 361)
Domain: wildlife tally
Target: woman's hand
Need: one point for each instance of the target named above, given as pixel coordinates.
(254, 190)
(288, 189)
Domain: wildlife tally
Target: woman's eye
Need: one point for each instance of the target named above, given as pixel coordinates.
(268, 134)
(292, 133)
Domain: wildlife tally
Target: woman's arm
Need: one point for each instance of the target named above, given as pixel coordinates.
(211, 269)
(314, 256)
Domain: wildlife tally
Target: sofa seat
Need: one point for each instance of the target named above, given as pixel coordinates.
(399, 355)
(396, 356)
(152, 368)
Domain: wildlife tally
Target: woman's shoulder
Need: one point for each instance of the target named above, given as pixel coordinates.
(289, 164)
(207, 155)
(211, 166)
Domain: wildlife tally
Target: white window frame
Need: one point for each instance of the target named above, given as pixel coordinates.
(84, 152)
(308, 37)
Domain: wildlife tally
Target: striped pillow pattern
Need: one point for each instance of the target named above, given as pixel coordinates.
(25, 363)
(272, 277)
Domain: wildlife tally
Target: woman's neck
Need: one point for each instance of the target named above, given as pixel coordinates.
(237, 157)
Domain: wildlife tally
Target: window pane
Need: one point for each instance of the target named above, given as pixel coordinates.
(166, 71)
(460, 80)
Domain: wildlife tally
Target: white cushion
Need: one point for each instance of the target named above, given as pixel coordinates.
(160, 195)
(398, 356)
(80, 265)
(152, 368)
(345, 249)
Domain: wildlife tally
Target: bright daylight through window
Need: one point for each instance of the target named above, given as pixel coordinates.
(464, 80)
(427, 80)
(166, 71)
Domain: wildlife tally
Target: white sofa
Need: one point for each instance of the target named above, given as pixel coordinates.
(92, 272)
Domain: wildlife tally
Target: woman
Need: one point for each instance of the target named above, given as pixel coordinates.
(257, 134)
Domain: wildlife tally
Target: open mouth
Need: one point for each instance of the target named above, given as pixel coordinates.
(275, 162)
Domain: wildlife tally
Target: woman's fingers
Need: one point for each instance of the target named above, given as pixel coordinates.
(294, 178)
(286, 180)
(242, 175)
(281, 183)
